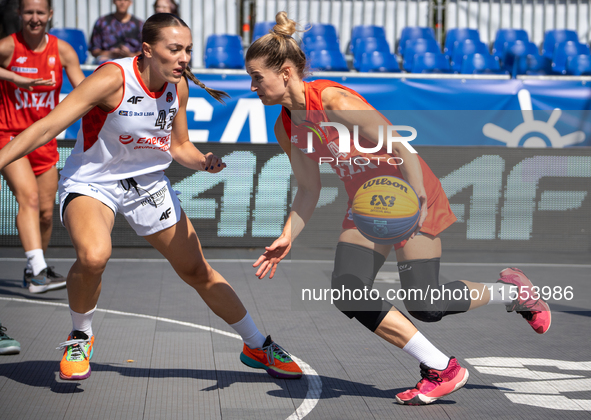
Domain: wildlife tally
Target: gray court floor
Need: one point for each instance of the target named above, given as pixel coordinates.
(160, 353)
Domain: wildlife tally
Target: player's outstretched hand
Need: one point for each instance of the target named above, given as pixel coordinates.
(29, 84)
(213, 163)
(272, 256)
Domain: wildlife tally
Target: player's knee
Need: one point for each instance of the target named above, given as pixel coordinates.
(197, 274)
(94, 260)
(46, 219)
(427, 316)
(28, 200)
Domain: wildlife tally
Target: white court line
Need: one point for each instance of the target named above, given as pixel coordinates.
(314, 381)
(251, 261)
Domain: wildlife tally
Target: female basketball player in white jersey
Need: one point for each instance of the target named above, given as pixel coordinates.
(134, 123)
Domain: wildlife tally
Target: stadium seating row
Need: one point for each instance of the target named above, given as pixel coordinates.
(417, 51)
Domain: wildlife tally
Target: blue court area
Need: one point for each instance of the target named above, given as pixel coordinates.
(161, 353)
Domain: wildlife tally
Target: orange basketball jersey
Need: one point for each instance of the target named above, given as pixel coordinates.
(19, 108)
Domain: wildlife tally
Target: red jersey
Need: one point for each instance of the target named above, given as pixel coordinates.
(19, 108)
(355, 167)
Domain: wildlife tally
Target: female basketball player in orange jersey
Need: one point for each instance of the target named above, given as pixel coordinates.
(30, 82)
(117, 166)
(277, 67)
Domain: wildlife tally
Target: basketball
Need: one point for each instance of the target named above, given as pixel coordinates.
(386, 210)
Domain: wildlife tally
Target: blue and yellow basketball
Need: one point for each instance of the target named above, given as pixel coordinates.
(386, 210)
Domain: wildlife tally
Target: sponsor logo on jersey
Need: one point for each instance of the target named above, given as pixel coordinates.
(136, 114)
(169, 97)
(51, 60)
(125, 138)
(21, 60)
(124, 113)
(37, 100)
(294, 139)
(156, 199)
(135, 99)
(28, 70)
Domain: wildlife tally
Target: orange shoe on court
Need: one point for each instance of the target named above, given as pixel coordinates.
(528, 303)
(271, 357)
(75, 364)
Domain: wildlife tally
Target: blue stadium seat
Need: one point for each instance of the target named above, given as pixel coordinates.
(538, 65)
(505, 36)
(261, 28)
(379, 61)
(74, 37)
(324, 30)
(556, 36)
(317, 43)
(579, 65)
(224, 52)
(411, 33)
(365, 31)
(327, 60)
(481, 64)
(430, 63)
(458, 34)
(463, 48)
(564, 50)
(218, 58)
(418, 46)
(369, 45)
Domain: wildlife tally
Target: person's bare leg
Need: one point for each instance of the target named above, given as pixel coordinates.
(180, 245)
(89, 223)
(47, 187)
(21, 181)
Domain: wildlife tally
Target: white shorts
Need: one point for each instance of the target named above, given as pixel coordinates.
(149, 206)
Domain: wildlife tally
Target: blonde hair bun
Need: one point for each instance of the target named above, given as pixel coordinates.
(285, 26)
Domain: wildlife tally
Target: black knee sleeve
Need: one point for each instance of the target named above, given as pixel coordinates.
(355, 270)
(425, 299)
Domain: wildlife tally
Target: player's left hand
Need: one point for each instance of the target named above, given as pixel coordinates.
(423, 215)
(213, 163)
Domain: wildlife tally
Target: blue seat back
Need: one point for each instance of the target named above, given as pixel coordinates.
(579, 65)
(318, 43)
(458, 34)
(563, 51)
(325, 30)
(365, 31)
(327, 60)
(430, 63)
(379, 61)
(480, 64)
(418, 46)
(538, 65)
(556, 36)
(74, 37)
(230, 42)
(505, 36)
(219, 58)
(411, 33)
(463, 48)
(261, 28)
(369, 45)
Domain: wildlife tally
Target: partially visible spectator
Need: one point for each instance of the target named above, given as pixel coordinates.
(166, 6)
(116, 35)
(10, 22)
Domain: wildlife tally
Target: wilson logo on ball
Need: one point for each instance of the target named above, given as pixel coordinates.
(386, 210)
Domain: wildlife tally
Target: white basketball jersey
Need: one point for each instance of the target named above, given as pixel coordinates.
(131, 140)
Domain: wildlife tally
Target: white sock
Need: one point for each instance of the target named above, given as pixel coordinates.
(35, 261)
(421, 349)
(82, 322)
(499, 293)
(249, 332)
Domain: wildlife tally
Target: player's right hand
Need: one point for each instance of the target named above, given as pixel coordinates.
(272, 256)
(29, 84)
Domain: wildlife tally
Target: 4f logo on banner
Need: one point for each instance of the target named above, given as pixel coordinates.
(135, 99)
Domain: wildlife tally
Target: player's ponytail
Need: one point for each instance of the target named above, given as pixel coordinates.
(218, 95)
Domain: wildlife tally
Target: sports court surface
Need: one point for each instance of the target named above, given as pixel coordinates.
(161, 354)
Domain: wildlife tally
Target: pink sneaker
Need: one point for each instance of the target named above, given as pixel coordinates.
(435, 384)
(528, 304)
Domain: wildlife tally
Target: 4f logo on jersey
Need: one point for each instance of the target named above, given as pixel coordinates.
(21, 60)
(135, 99)
(166, 214)
(387, 201)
